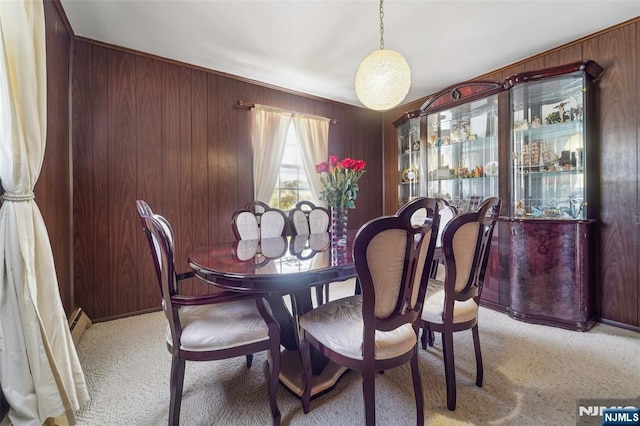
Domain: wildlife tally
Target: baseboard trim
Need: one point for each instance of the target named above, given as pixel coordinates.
(79, 322)
(620, 324)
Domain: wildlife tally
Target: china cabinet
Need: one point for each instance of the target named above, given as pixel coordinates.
(554, 202)
(531, 141)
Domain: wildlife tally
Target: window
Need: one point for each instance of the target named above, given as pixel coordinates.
(292, 184)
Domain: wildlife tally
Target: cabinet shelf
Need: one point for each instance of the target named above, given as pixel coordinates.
(556, 130)
(412, 154)
(459, 179)
(466, 144)
(548, 172)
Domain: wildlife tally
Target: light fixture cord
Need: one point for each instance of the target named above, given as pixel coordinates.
(381, 26)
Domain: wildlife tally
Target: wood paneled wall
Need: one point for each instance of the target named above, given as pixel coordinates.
(53, 188)
(618, 109)
(174, 136)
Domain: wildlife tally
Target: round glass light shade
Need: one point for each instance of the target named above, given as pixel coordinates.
(383, 80)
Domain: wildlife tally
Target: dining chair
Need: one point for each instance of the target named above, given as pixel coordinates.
(307, 218)
(257, 220)
(452, 305)
(377, 329)
(210, 327)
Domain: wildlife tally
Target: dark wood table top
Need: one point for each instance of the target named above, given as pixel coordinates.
(283, 264)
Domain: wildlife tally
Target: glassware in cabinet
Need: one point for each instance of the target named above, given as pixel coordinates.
(411, 148)
(462, 153)
(548, 148)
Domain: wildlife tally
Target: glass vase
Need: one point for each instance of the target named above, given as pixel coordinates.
(339, 220)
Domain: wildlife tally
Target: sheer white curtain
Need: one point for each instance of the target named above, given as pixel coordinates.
(313, 138)
(270, 127)
(40, 372)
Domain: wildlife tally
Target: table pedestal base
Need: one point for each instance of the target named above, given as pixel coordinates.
(292, 373)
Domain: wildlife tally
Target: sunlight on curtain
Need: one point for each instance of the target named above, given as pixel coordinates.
(313, 139)
(269, 133)
(40, 372)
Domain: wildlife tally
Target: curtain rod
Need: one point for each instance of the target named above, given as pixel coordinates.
(252, 106)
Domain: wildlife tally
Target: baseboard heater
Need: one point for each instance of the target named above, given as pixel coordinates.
(78, 323)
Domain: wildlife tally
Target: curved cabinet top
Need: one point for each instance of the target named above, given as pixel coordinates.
(591, 68)
(475, 89)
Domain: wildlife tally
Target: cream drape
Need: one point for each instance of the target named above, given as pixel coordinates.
(270, 127)
(313, 136)
(40, 373)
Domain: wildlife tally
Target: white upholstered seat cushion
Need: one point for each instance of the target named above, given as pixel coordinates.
(338, 325)
(220, 326)
(434, 305)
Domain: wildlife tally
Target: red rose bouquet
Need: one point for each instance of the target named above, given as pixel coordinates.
(340, 181)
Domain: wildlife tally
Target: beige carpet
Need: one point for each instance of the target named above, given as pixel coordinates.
(533, 375)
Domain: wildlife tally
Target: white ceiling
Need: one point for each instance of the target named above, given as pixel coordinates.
(315, 47)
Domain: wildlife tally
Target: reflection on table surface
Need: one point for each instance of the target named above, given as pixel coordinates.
(273, 256)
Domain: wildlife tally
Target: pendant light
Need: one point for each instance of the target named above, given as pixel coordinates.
(383, 78)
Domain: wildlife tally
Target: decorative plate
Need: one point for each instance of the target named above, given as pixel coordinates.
(410, 174)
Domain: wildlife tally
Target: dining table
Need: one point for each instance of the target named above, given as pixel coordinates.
(285, 270)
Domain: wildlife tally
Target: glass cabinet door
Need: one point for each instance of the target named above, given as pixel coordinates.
(462, 153)
(548, 150)
(410, 161)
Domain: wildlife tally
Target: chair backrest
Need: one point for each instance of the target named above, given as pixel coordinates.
(307, 218)
(245, 225)
(257, 220)
(160, 238)
(257, 207)
(392, 255)
(144, 211)
(273, 223)
(466, 244)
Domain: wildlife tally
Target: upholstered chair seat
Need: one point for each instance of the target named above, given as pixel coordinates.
(220, 326)
(433, 309)
(339, 324)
